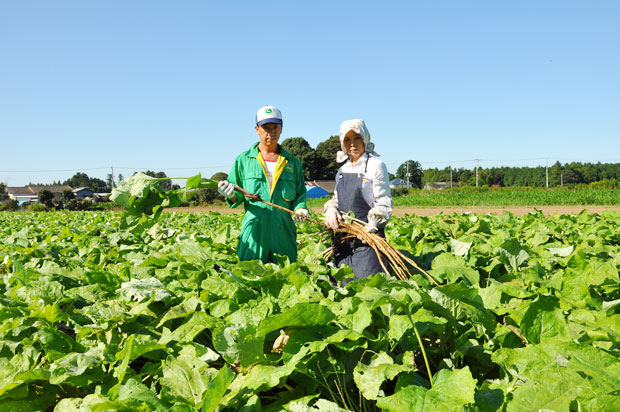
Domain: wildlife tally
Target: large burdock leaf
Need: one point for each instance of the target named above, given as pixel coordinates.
(513, 254)
(561, 251)
(302, 314)
(134, 392)
(544, 319)
(468, 303)
(140, 289)
(452, 391)
(452, 268)
(369, 378)
(186, 376)
(423, 319)
(459, 248)
(322, 405)
(19, 370)
(255, 380)
(216, 389)
(79, 369)
(239, 343)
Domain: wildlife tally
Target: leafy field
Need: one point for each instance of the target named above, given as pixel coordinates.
(94, 318)
(509, 197)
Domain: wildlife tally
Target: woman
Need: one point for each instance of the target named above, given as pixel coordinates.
(362, 187)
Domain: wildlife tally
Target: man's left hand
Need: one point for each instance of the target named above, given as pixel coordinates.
(301, 215)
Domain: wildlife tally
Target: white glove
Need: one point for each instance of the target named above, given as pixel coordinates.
(226, 189)
(300, 215)
(332, 218)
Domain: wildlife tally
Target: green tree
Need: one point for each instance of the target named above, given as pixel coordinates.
(78, 180)
(327, 151)
(415, 173)
(219, 176)
(210, 194)
(310, 160)
(46, 198)
(3, 194)
(98, 185)
(67, 196)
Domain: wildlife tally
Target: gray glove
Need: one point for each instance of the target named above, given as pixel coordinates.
(372, 226)
(226, 189)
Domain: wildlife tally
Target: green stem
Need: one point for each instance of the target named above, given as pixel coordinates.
(428, 368)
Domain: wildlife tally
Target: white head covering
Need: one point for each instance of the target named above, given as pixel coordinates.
(359, 127)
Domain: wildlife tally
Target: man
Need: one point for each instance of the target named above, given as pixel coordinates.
(276, 176)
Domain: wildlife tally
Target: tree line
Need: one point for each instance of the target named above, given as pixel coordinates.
(558, 174)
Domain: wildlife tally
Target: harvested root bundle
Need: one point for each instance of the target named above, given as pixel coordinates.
(386, 252)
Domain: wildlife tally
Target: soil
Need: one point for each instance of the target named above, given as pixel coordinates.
(400, 211)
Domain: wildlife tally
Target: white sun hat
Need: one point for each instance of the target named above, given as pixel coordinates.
(359, 127)
(268, 114)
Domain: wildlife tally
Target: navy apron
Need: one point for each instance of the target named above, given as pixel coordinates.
(352, 252)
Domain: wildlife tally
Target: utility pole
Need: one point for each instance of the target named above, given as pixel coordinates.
(450, 176)
(477, 160)
(408, 174)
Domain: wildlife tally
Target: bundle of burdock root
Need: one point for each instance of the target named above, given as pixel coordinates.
(356, 229)
(394, 258)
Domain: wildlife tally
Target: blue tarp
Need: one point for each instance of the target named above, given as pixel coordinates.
(315, 191)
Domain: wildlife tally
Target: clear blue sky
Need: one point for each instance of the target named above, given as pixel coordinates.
(174, 85)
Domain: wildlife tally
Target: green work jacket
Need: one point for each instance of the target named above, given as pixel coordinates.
(266, 230)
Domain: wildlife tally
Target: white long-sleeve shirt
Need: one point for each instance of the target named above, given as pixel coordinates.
(375, 187)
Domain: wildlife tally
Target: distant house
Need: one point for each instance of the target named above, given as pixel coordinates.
(83, 192)
(397, 183)
(31, 193)
(20, 194)
(436, 185)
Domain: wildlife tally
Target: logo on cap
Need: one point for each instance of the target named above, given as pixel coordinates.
(268, 111)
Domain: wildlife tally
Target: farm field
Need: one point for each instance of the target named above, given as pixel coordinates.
(98, 318)
(501, 197)
(402, 211)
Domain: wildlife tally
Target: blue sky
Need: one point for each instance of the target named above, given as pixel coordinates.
(174, 85)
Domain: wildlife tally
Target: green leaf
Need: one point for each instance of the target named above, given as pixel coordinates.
(452, 391)
(513, 254)
(186, 376)
(139, 289)
(216, 389)
(135, 392)
(302, 314)
(193, 182)
(544, 319)
(452, 268)
(459, 248)
(561, 251)
(369, 378)
(239, 343)
(79, 369)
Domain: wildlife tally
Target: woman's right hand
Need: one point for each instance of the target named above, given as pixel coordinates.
(332, 218)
